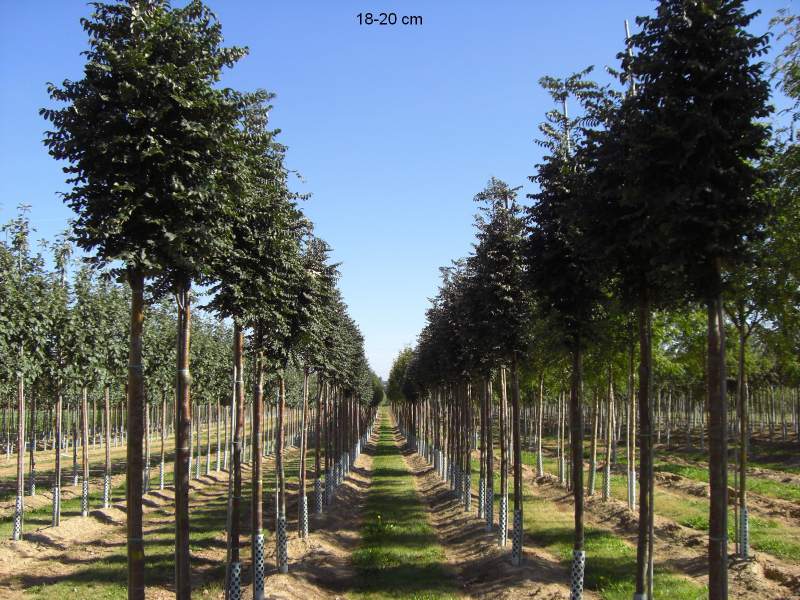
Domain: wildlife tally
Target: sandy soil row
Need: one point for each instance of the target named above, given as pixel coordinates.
(677, 547)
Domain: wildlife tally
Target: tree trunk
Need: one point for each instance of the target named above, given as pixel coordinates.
(146, 473)
(74, 424)
(631, 435)
(234, 529)
(302, 507)
(281, 540)
(718, 452)
(107, 443)
(516, 546)
(539, 423)
(84, 452)
(219, 435)
(163, 439)
(644, 542)
(482, 475)
(208, 438)
(317, 448)
(503, 517)
(133, 475)
(257, 508)
(32, 449)
(593, 447)
(576, 438)
(19, 507)
(58, 448)
(195, 432)
(609, 435)
(741, 404)
(183, 441)
(489, 458)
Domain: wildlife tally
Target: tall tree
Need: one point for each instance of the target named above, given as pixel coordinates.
(701, 88)
(146, 135)
(504, 310)
(564, 274)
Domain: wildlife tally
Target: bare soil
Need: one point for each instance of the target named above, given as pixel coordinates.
(481, 568)
(679, 548)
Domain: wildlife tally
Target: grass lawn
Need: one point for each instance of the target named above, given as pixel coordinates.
(399, 556)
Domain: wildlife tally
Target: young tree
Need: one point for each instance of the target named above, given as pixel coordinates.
(256, 284)
(693, 141)
(564, 273)
(60, 324)
(504, 310)
(146, 135)
(25, 323)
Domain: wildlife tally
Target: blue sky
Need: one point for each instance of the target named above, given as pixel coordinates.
(394, 129)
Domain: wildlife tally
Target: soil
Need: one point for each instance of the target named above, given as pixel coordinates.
(482, 569)
(320, 565)
(684, 548)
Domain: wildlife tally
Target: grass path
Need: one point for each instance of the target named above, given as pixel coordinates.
(400, 556)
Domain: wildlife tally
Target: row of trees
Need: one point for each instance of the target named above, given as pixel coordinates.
(178, 182)
(662, 194)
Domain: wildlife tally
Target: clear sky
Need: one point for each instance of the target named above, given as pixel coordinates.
(393, 128)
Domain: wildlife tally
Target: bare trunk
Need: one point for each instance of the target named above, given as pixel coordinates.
(257, 508)
(644, 542)
(57, 447)
(503, 517)
(283, 564)
(576, 438)
(238, 427)
(718, 453)
(183, 442)
(302, 497)
(516, 554)
(744, 425)
(133, 475)
(593, 447)
(19, 508)
(107, 443)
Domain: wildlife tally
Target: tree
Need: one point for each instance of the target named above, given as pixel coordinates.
(24, 323)
(563, 272)
(256, 278)
(61, 323)
(693, 143)
(146, 133)
(504, 309)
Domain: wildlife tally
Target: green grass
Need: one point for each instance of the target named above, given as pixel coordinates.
(610, 560)
(691, 511)
(106, 577)
(755, 484)
(399, 556)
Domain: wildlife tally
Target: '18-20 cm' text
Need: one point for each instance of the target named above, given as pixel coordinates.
(390, 18)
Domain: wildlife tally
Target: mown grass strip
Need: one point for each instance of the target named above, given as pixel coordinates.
(399, 556)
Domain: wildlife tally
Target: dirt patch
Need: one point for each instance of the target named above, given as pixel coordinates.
(481, 568)
(758, 504)
(676, 547)
(319, 566)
